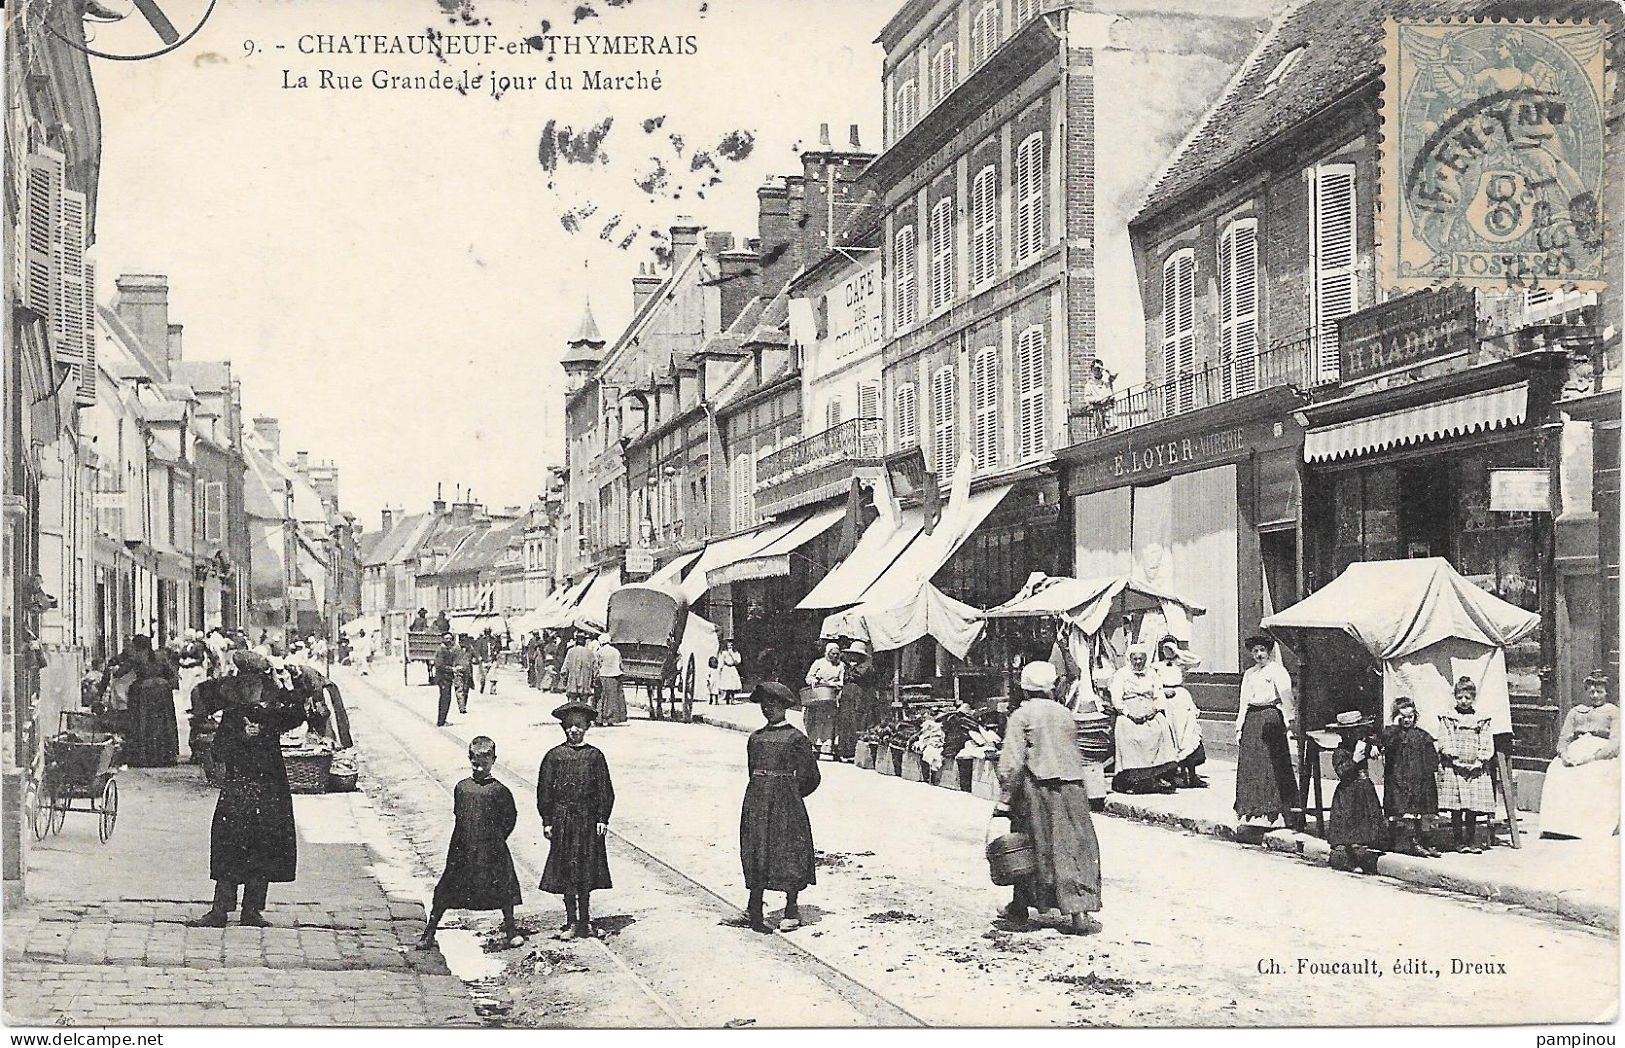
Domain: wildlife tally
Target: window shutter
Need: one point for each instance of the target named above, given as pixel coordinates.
(44, 207)
(943, 73)
(869, 400)
(1179, 331)
(1246, 308)
(908, 105)
(1029, 236)
(1227, 307)
(907, 286)
(908, 419)
(984, 33)
(1335, 259)
(1031, 414)
(985, 408)
(944, 448)
(68, 290)
(984, 225)
(942, 253)
(832, 413)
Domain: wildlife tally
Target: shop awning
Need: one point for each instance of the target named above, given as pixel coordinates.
(593, 610)
(672, 572)
(724, 552)
(880, 544)
(561, 605)
(926, 555)
(772, 560)
(928, 612)
(1472, 413)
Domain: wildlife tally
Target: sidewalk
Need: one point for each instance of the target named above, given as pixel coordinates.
(1578, 880)
(101, 939)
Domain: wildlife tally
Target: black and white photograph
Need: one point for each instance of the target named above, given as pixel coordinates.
(795, 515)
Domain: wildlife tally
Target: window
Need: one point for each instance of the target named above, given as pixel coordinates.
(214, 511)
(984, 33)
(869, 400)
(944, 446)
(1179, 331)
(984, 211)
(942, 253)
(744, 490)
(984, 384)
(1334, 252)
(906, 282)
(908, 105)
(1031, 399)
(943, 72)
(1029, 187)
(1024, 10)
(1238, 308)
(832, 413)
(908, 416)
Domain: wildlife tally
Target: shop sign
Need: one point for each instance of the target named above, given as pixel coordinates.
(301, 591)
(1407, 331)
(853, 308)
(640, 561)
(108, 500)
(1520, 491)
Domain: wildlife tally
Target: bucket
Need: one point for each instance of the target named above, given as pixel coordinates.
(1010, 857)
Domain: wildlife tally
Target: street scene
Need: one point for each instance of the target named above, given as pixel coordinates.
(948, 513)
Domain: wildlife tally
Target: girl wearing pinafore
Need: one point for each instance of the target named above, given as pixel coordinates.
(1356, 828)
(1466, 747)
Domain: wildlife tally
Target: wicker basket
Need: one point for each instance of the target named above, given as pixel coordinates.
(341, 783)
(307, 772)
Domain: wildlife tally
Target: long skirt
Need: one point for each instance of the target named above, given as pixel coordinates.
(1356, 816)
(1264, 783)
(1055, 815)
(1095, 746)
(154, 737)
(1183, 722)
(577, 860)
(1581, 801)
(820, 720)
(775, 836)
(611, 700)
(252, 837)
(1145, 750)
(1466, 792)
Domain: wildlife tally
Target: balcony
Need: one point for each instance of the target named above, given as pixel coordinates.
(818, 467)
(1289, 362)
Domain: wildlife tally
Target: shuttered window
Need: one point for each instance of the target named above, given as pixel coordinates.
(68, 290)
(214, 511)
(43, 215)
(906, 282)
(1334, 251)
(1179, 331)
(944, 71)
(908, 416)
(984, 243)
(944, 437)
(908, 106)
(1029, 187)
(942, 253)
(984, 381)
(869, 400)
(1025, 9)
(1031, 399)
(744, 490)
(984, 33)
(832, 413)
(1238, 308)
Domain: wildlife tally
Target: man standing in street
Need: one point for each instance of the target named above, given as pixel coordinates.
(580, 672)
(855, 710)
(446, 658)
(485, 654)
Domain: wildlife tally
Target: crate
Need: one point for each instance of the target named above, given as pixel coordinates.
(865, 755)
(984, 779)
(886, 760)
(955, 775)
(307, 772)
(913, 768)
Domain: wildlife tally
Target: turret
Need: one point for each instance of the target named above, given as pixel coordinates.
(583, 351)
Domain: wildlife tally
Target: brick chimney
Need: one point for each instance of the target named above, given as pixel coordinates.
(741, 281)
(269, 430)
(774, 224)
(646, 283)
(301, 462)
(685, 234)
(829, 177)
(172, 345)
(386, 517)
(142, 303)
(439, 501)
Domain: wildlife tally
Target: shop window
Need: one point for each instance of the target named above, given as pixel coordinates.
(1498, 551)
(984, 242)
(1238, 308)
(1335, 253)
(985, 408)
(1029, 187)
(942, 252)
(906, 284)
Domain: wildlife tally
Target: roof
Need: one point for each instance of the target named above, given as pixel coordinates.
(207, 376)
(400, 541)
(484, 548)
(264, 483)
(1342, 52)
(587, 330)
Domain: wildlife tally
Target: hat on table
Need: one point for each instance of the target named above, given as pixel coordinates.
(573, 708)
(1351, 720)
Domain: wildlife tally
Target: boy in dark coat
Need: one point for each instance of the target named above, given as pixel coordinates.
(775, 835)
(479, 872)
(574, 797)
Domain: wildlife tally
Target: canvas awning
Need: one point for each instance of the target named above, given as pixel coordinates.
(1085, 603)
(772, 559)
(724, 552)
(561, 605)
(672, 572)
(880, 544)
(929, 612)
(1472, 413)
(926, 555)
(593, 609)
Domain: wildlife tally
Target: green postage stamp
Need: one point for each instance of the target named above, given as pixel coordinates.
(1492, 155)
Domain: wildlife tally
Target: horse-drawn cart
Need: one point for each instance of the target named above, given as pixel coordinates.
(646, 626)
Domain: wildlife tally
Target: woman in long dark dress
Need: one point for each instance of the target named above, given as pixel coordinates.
(574, 797)
(152, 736)
(252, 841)
(775, 835)
(1265, 789)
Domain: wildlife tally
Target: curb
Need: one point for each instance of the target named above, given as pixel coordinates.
(1312, 849)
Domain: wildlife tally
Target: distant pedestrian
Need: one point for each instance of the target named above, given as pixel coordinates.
(775, 835)
(611, 695)
(1356, 829)
(728, 662)
(479, 873)
(574, 796)
(858, 707)
(580, 672)
(1466, 748)
(1041, 778)
(485, 656)
(1265, 789)
(1410, 784)
(824, 678)
(446, 659)
(152, 738)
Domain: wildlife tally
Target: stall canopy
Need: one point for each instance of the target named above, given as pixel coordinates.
(880, 545)
(772, 558)
(1424, 623)
(371, 624)
(593, 610)
(927, 612)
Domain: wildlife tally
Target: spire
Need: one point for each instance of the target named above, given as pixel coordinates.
(585, 348)
(587, 330)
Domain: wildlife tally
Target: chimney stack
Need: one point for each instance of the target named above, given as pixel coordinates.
(269, 430)
(386, 518)
(302, 462)
(852, 136)
(646, 283)
(439, 501)
(142, 303)
(823, 136)
(173, 344)
(685, 234)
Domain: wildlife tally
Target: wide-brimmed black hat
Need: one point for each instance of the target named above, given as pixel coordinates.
(773, 691)
(251, 662)
(573, 707)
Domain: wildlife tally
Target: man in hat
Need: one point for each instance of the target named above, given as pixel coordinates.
(775, 835)
(580, 671)
(574, 796)
(446, 659)
(1041, 775)
(855, 710)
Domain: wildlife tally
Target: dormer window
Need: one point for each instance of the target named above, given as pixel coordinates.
(1282, 68)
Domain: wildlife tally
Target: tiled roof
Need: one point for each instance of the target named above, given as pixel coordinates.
(484, 548)
(1342, 42)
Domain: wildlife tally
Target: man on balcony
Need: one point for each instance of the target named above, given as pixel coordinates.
(1097, 396)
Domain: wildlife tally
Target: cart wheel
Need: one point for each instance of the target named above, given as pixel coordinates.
(108, 809)
(58, 811)
(37, 805)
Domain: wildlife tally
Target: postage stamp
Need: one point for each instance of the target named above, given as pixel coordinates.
(1492, 155)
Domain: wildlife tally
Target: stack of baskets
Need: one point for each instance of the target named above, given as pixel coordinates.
(307, 770)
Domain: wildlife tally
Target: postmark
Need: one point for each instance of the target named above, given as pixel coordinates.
(1493, 155)
(126, 30)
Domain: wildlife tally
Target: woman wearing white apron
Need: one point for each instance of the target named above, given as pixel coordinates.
(1580, 797)
(1180, 709)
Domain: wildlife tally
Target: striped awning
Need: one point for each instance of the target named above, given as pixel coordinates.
(1473, 413)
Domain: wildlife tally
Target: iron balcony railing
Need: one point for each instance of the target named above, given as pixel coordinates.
(853, 440)
(1294, 361)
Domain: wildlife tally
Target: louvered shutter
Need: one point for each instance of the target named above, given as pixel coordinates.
(868, 400)
(1031, 419)
(832, 413)
(43, 206)
(85, 395)
(984, 226)
(906, 284)
(68, 289)
(1335, 260)
(944, 448)
(1029, 236)
(1179, 332)
(942, 253)
(984, 33)
(908, 105)
(908, 418)
(985, 408)
(1245, 347)
(1227, 308)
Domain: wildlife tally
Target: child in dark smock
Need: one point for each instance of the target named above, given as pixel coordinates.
(1356, 828)
(775, 835)
(574, 797)
(479, 871)
(1410, 788)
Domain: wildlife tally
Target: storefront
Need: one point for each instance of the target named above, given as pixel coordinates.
(1204, 505)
